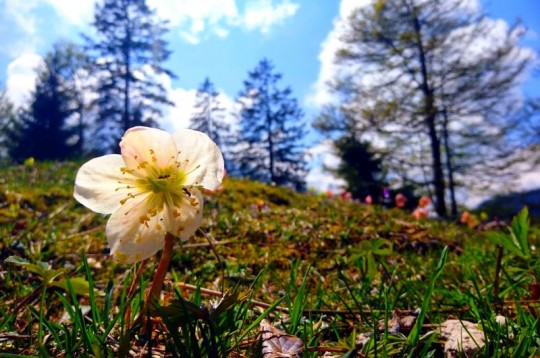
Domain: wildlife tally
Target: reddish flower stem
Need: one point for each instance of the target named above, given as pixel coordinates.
(161, 271)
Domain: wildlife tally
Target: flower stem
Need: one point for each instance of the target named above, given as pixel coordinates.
(163, 267)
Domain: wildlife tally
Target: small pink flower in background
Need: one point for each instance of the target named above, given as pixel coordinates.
(420, 213)
(346, 195)
(368, 200)
(400, 200)
(424, 201)
(152, 188)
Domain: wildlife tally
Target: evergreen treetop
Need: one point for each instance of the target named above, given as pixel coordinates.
(271, 130)
(128, 56)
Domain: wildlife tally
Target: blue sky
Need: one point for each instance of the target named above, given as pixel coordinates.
(221, 39)
(289, 33)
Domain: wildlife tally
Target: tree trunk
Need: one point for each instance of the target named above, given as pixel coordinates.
(449, 167)
(269, 122)
(125, 115)
(430, 116)
(127, 79)
(438, 175)
(80, 143)
(271, 149)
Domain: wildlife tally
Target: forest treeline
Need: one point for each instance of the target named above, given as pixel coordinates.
(87, 95)
(426, 100)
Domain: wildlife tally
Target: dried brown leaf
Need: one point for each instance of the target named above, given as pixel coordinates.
(279, 344)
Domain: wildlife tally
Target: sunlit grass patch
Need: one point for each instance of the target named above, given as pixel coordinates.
(335, 274)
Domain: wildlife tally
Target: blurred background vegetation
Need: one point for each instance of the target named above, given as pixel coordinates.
(424, 104)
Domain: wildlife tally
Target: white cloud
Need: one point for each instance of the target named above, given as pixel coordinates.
(194, 20)
(262, 15)
(192, 39)
(74, 12)
(530, 181)
(22, 22)
(18, 27)
(26, 15)
(21, 77)
(321, 156)
(320, 93)
(526, 181)
(178, 116)
(221, 32)
(19, 11)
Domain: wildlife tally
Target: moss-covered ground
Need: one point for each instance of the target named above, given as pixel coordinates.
(330, 270)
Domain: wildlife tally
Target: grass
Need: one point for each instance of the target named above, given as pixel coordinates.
(322, 269)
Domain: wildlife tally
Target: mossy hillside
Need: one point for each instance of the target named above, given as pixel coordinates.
(353, 257)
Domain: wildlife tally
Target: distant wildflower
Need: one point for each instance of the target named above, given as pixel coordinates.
(420, 213)
(259, 203)
(400, 200)
(346, 195)
(465, 217)
(469, 219)
(386, 199)
(152, 188)
(329, 193)
(368, 200)
(29, 162)
(424, 201)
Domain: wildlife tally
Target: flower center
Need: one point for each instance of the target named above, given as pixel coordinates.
(165, 185)
(167, 180)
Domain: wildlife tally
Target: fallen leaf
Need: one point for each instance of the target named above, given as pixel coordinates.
(279, 344)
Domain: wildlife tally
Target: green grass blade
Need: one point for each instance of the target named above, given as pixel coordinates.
(96, 317)
(295, 312)
(108, 303)
(52, 327)
(414, 335)
(257, 321)
(520, 231)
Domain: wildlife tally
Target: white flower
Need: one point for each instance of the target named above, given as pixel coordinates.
(152, 188)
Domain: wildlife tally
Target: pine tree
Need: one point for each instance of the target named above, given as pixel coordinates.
(209, 115)
(360, 169)
(78, 79)
(271, 131)
(7, 122)
(42, 130)
(128, 54)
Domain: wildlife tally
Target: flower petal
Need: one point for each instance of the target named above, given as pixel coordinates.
(97, 181)
(205, 162)
(190, 218)
(150, 145)
(131, 238)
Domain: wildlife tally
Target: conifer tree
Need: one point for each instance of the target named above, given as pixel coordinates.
(7, 122)
(209, 115)
(42, 130)
(128, 53)
(271, 130)
(361, 170)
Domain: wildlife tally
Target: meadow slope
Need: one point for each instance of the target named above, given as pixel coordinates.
(338, 273)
